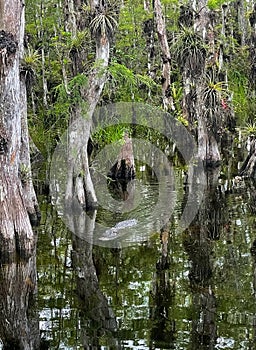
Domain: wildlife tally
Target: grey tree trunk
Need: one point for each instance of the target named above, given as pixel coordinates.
(79, 182)
(248, 168)
(197, 66)
(166, 56)
(208, 149)
(17, 197)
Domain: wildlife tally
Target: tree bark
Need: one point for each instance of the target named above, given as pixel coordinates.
(248, 168)
(252, 49)
(17, 197)
(194, 72)
(166, 56)
(79, 182)
(124, 169)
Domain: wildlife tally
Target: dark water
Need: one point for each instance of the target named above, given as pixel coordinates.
(173, 290)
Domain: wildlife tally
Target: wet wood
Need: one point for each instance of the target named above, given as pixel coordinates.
(124, 168)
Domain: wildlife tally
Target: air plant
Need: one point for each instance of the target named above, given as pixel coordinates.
(190, 50)
(214, 92)
(249, 130)
(215, 96)
(30, 62)
(103, 24)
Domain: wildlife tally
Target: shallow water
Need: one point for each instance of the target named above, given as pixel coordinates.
(192, 290)
(157, 307)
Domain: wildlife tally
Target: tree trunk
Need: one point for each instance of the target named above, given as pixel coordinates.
(79, 182)
(17, 197)
(124, 169)
(252, 49)
(248, 169)
(166, 56)
(195, 71)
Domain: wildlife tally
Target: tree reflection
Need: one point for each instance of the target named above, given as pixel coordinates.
(163, 292)
(97, 318)
(252, 208)
(19, 324)
(198, 243)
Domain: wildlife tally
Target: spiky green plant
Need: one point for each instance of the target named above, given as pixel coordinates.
(249, 129)
(30, 63)
(31, 58)
(190, 50)
(103, 24)
(214, 92)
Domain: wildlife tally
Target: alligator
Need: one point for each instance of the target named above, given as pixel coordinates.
(114, 232)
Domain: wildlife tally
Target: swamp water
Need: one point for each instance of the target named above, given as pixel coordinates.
(189, 290)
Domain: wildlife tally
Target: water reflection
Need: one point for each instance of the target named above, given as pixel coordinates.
(180, 291)
(194, 290)
(96, 316)
(198, 243)
(163, 297)
(19, 323)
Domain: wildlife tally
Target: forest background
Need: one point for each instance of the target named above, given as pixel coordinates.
(223, 61)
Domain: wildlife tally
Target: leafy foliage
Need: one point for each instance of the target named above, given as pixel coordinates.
(134, 73)
(215, 4)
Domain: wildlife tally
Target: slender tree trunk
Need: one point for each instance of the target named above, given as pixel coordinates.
(248, 168)
(17, 196)
(252, 49)
(79, 182)
(149, 34)
(166, 56)
(208, 149)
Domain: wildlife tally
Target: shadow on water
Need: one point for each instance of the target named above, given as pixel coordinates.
(191, 290)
